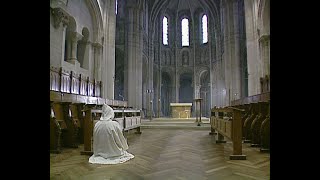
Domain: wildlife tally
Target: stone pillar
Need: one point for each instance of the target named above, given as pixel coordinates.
(252, 47)
(97, 47)
(177, 85)
(227, 52)
(264, 42)
(236, 76)
(108, 49)
(75, 37)
(134, 51)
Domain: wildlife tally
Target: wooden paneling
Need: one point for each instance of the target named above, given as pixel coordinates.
(263, 97)
(228, 123)
(54, 79)
(65, 81)
(90, 87)
(83, 85)
(74, 83)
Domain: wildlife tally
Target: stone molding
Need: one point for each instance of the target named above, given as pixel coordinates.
(59, 15)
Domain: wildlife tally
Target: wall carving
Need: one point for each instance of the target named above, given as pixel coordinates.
(59, 16)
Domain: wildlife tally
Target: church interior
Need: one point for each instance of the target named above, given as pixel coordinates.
(188, 80)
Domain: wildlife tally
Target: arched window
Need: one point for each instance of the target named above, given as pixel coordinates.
(165, 30)
(204, 29)
(185, 31)
(116, 6)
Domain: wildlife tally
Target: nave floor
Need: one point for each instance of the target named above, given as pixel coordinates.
(162, 154)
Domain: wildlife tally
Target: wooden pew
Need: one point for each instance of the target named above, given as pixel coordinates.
(78, 116)
(265, 132)
(131, 120)
(56, 127)
(256, 124)
(90, 118)
(227, 121)
(247, 123)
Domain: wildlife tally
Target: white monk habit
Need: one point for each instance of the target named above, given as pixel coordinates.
(109, 144)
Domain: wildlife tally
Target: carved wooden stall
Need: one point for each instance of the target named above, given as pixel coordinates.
(63, 116)
(248, 121)
(71, 118)
(265, 132)
(56, 127)
(265, 84)
(256, 124)
(227, 122)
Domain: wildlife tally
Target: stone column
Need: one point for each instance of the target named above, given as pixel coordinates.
(177, 85)
(252, 47)
(97, 58)
(227, 57)
(265, 54)
(236, 76)
(75, 37)
(134, 51)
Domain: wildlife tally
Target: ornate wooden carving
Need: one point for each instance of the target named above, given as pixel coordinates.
(265, 84)
(74, 83)
(55, 133)
(256, 124)
(247, 123)
(90, 87)
(54, 79)
(65, 81)
(265, 132)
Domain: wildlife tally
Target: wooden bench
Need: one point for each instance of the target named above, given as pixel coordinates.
(129, 119)
(227, 122)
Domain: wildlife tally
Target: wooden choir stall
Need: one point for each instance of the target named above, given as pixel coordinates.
(227, 122)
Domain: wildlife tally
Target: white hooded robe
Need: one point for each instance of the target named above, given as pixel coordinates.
(109, 144)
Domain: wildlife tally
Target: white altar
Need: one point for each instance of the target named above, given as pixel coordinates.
(180, 110)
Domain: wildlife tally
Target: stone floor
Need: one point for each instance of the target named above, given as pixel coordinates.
(167, 154)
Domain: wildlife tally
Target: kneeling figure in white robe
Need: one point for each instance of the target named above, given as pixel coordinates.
(109, 144)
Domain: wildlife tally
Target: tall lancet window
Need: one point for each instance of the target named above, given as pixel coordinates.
(204, 29)
(165, 31)
(116, 6)
(185, 31)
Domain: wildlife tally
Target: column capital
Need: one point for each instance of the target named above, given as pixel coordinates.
(75, 36)
(97, 45)
(59, 15)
